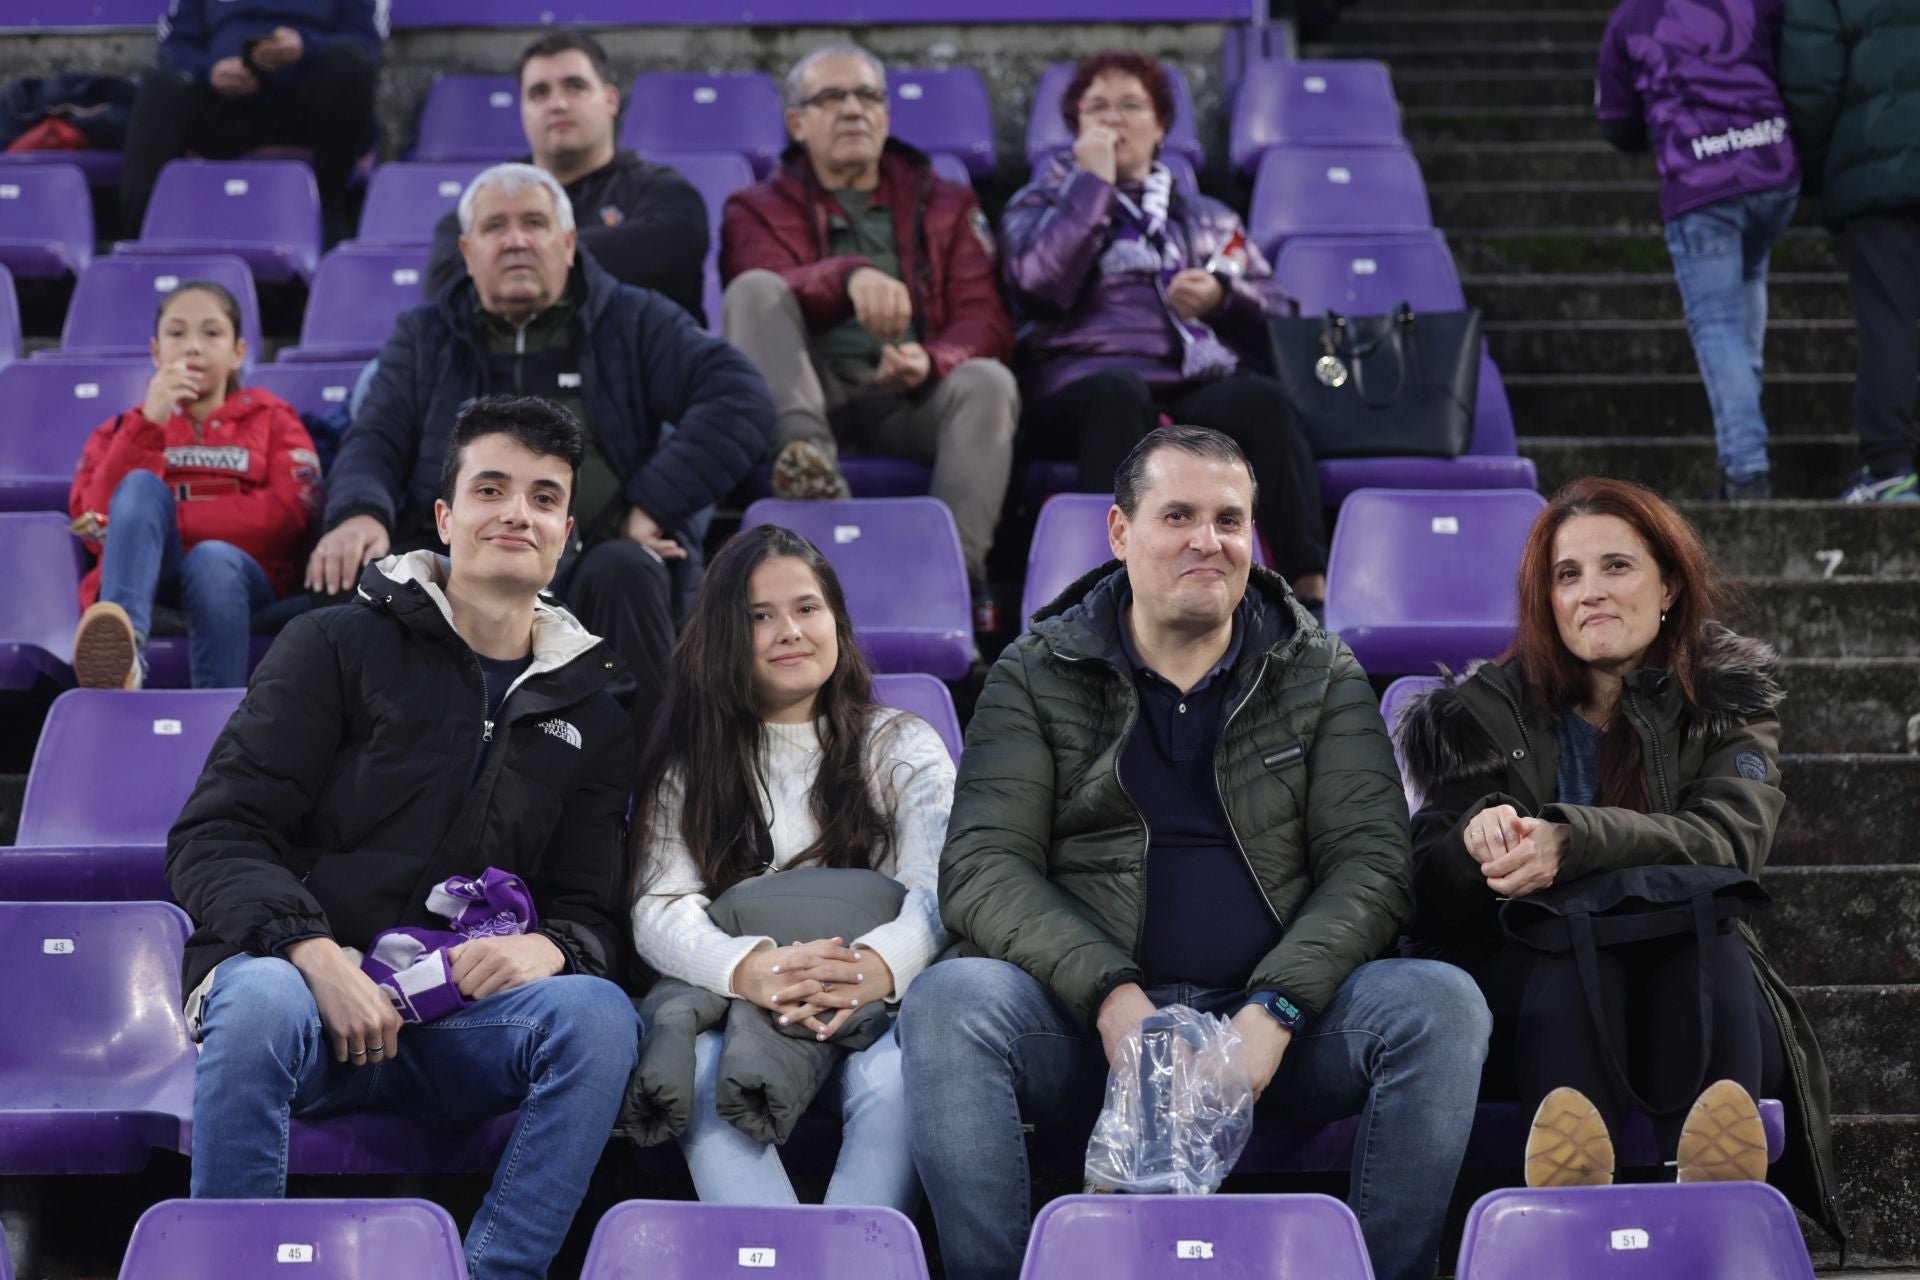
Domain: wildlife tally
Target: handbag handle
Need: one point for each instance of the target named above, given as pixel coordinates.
(1357, 353)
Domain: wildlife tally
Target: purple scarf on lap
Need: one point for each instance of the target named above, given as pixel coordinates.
(410, 966)
(1140, 245)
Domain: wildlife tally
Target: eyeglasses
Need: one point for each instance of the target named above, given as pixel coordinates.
(867, 94)
(1126, 107)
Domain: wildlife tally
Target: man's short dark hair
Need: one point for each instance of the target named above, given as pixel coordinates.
(1130, 481)
(567, 40)
(539, 426)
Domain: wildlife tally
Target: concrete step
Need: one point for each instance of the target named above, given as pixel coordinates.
(1688, 466)
(1493, 125)
(1657, 346)
(1442, 87)
(1620, 405)
(1799, 539)
(1832, 617)
(1843, 926)
(1849, 810)
(1647, 295)
(1878, 1159)
(1460, 24)
(1574, 56)
(1850, 704)
(1562, 161)
(1631, 205)
(1544, 250)
(1867, 1036)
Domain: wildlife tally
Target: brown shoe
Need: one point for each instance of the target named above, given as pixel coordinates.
(1723, 1139)
(106, 654)
(1568, 1144)
(806, 471)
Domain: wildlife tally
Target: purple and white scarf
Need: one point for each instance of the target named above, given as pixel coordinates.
(410, 966)
(1141, 246)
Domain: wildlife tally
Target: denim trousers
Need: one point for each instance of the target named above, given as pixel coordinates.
(1719, 256)
(217, 583)
(559, 1049)
(866, 1093)
(985, 1045)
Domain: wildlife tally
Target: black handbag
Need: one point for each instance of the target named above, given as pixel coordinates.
(1637, 904)
(1399, 385)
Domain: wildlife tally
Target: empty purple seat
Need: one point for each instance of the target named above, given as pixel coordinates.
(1344, 103)
(266, 212)
(355, 299)
(1416, 577)
(906, 584)
(111, 315)
(951, 167)
(46, 220)
(943, 110)
(327, 1239)
(406, 200)
(680, 1240)
(1650, 1231)
(715, 175)
(474, 118)
(9, 319)
(41, 605)
(1070, 540)
(868, 475)
(1336, 191)
(741, 111)
(1178, 165)
(52, 406)
(1218, 1237)
(318, 389)
(1393, 705)
(1048, 133)
(102, 168)
(927, 698)
(96, 1071)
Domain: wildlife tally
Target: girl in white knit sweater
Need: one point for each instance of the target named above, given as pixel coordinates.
(770, 713)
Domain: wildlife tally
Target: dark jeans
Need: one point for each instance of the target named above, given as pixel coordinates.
(624, 593)
(1097, 419)
(1883, 269)
(330, 110)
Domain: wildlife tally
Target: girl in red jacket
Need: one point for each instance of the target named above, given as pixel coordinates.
(201, 496)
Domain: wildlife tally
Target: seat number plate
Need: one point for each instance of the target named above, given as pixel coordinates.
(759, 1259)
(1193, 1250)
(293, 1253)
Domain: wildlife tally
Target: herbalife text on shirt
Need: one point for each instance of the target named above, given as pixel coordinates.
(1763, 133)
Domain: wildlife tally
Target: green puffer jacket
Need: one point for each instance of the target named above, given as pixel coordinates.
(1713, 773)
(1850, 70)
(1045, 861)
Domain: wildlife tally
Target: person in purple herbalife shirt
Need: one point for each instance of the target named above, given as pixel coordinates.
(1695, 82)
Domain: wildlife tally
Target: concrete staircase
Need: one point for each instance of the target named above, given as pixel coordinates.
(1559, 241)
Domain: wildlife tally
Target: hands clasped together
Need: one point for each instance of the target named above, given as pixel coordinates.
(817, 984)
(1517, 855)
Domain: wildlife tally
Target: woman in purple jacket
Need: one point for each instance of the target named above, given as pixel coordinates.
(1138, 299)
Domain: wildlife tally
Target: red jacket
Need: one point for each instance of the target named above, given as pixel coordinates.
(946, 252)
(248, 476)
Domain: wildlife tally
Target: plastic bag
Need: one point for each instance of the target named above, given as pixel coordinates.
(1179, 1108)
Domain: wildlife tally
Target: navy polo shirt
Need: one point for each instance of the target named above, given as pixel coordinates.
(1207, 922)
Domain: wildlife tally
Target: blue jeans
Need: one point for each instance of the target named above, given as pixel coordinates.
(560, 1049)
(1719, 256)
(875, 1165)
(217, 583)
(985, 1044)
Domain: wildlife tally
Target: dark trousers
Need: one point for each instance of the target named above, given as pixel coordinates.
(1883, 269)
(330, 110)
(623, 593)
(1097, 420)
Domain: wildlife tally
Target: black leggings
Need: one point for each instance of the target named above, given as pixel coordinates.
(1096, 420)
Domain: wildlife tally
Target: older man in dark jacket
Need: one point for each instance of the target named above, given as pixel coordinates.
(1177, 789)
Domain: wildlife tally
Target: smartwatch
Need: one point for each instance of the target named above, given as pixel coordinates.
(1280, 1009)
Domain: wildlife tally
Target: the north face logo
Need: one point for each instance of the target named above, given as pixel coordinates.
(562, 730)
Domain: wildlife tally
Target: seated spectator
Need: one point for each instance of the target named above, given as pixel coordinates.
(1698, 85)
(447, 724)
(674, 417)
(643, 222)
(862, 284)
(1626, 729)
(772, 754)
(1137, 299)
(201, 497)
(1177, 789)
(236, 75)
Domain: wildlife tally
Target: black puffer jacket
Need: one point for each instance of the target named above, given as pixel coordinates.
(1850, 70)
(360, 771)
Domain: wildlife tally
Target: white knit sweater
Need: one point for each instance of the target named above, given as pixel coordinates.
(911, 776)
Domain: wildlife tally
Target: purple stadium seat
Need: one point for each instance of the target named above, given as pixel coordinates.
(41, 605)
(906, 584)
(670, 111)
(1336, 191)
(329, 1239)
(715, 175)
(1216, 1237)
(1393, 705)
(318, 389)
(51, 407)
(951, 167)
(1416, 577)
(1177, 164)
(1047, 132)
(6, 1255)
(96, 1071)
(927, 698)
(266, 212)
(1069, 540)
(472, 118)
(1346, 103)
(355, 299)
(46, 220)
(679, 1240)
(111, 315)
(868, 475)
(102, 168)
(1650, 1231)
(405, 200)
(943, 111)
(9, 319)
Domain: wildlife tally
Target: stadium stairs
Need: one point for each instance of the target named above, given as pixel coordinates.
(1559, 240)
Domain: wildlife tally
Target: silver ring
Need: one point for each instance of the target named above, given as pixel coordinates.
(356, 1053)
(378, 1048)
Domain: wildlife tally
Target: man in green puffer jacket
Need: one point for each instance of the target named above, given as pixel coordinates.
(1177, 789)
(1850, 70)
